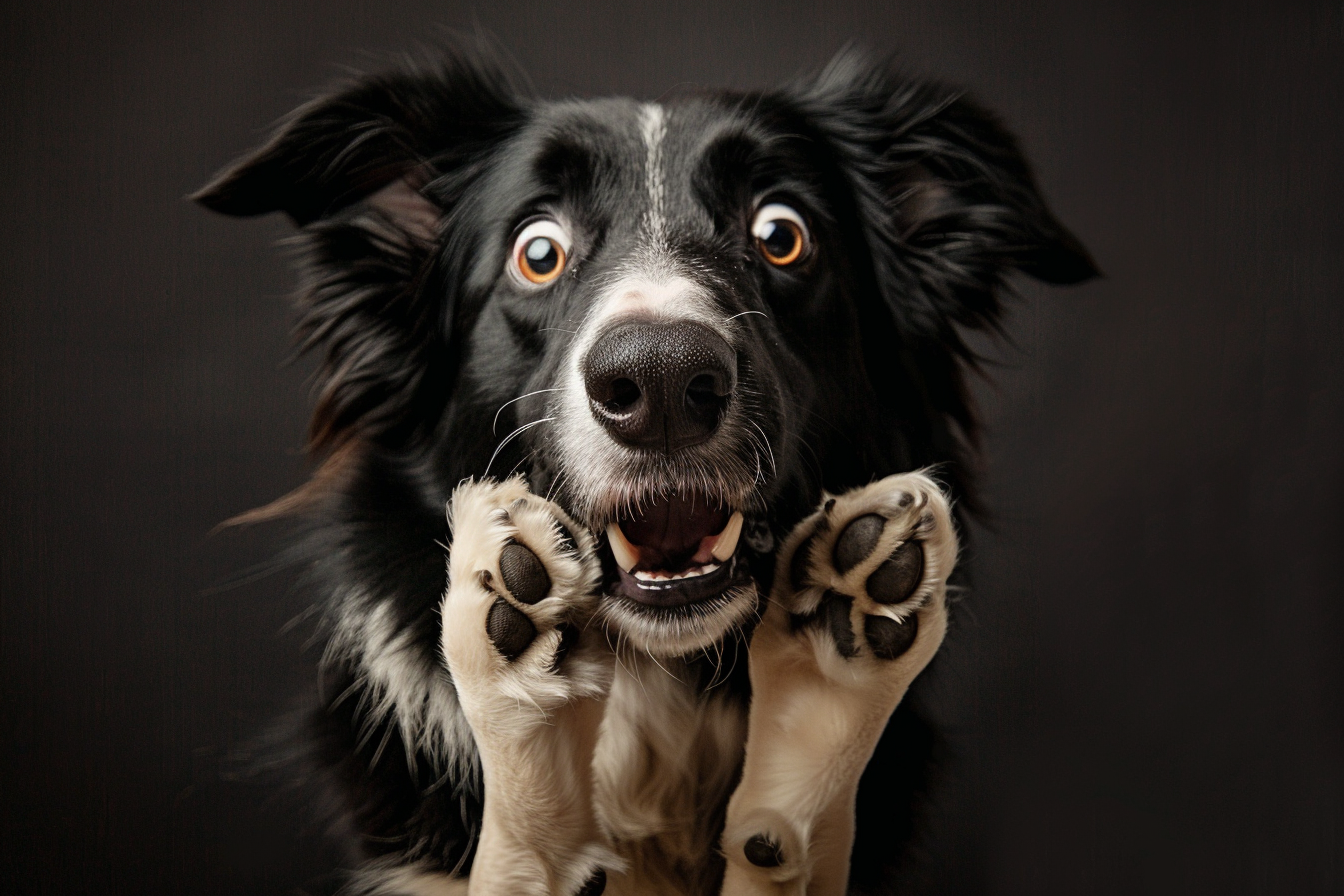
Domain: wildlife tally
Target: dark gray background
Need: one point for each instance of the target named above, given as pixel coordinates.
(1146, 688)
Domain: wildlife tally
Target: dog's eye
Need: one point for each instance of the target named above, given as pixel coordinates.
(540, 252)
(780, 234)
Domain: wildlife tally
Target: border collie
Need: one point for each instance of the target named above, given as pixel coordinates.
(678, 372)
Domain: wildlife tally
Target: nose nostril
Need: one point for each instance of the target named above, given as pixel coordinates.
(624, 393)
(705, 389)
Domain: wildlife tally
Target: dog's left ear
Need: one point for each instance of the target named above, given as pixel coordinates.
(947, 203)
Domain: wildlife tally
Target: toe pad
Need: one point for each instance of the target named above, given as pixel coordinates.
(888, 638)
(899, 575)
(523, 573)
(763, 852)
(509, 629)
(857, 541)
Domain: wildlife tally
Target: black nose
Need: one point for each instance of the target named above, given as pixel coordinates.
(660, 385)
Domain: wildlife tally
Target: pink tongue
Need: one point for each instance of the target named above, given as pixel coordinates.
(674, 531)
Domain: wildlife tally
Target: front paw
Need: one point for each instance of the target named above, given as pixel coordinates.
(857, 611)
(860, 570)
(522, 583)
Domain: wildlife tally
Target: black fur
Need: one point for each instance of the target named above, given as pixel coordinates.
(921, 206)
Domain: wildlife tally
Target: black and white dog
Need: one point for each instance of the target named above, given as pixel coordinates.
(673, 369)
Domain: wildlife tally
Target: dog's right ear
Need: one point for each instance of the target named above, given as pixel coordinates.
(371, 173)
(380, 139)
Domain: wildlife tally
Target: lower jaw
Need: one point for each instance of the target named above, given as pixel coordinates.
(674, 593)
(667, 624)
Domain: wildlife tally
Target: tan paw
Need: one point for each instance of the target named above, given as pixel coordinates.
(522, 583)
(861, 568)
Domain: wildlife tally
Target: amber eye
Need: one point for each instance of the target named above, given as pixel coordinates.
(540, 251)
(781, 235)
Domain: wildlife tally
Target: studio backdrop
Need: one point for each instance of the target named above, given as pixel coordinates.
(1142, 691)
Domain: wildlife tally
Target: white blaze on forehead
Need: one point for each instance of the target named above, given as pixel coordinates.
(652, 126)
(652, 295)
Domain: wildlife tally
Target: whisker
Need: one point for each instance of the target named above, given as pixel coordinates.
(495, 422)
(660, 665)
(740, 313)
(555, 486)
(511, 436)
(522, 460)
(773, 467)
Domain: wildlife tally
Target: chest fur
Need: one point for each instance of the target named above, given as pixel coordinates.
(668, 755)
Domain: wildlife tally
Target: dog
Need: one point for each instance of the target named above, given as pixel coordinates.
(688, 377)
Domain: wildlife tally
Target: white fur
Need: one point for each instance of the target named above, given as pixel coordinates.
(653, 127)
(402, 683)
(665, 758)
(667, 635)
(408, 880)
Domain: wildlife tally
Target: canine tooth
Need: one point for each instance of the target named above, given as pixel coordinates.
(626, 554)
(727, 540)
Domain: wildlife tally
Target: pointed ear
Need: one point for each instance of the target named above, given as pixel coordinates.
(370, 173)
(380, 138)
(948, 205)
(961, 174)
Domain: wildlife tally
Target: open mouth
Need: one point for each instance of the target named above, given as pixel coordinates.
(674, 550)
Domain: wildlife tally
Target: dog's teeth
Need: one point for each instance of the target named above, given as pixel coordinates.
(626, 554)
(662, 575)
(726, 543)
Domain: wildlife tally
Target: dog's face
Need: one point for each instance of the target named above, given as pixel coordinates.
(658, 298)
(681, 320)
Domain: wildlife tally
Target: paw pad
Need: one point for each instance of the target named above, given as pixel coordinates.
(858, 541)
(888, 638)
(763, 852)
(864, 567)
(523, 573)
(898, 576)
(509, 629)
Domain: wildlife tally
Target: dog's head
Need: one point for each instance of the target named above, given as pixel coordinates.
(682, 320)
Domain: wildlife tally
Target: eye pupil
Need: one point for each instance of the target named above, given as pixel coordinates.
(780, 238)
(542, 256)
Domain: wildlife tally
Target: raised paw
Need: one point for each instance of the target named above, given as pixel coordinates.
(857, 611)
(862, 567)
(522, 578)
